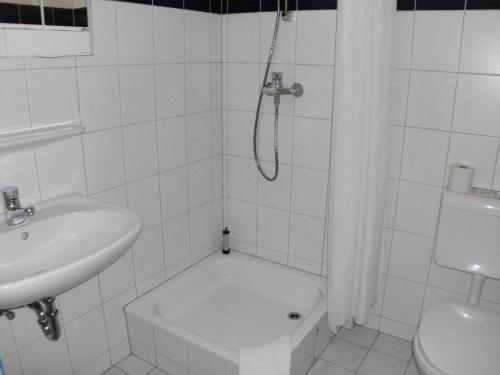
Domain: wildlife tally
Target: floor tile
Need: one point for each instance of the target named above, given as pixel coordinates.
(324, 368)
(114, 371)
(412, 370)
(393, 346)
(134, 366)
(157, 372)
(377, 363)
(359, 335)
(345, 354)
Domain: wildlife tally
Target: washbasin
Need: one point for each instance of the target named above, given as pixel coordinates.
(69, 240)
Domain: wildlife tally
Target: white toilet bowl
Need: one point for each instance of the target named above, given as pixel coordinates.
(458, 338)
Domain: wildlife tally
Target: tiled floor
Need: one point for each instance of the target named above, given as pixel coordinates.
(361, 351)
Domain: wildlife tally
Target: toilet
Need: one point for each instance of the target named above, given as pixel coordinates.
(457, 337)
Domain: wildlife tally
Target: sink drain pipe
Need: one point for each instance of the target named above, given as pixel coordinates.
(48, 317)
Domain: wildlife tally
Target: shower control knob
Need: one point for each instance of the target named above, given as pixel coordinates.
(297, 90)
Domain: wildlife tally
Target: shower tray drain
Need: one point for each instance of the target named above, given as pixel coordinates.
(294, 315)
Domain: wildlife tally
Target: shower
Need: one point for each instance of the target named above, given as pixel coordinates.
(275, 89)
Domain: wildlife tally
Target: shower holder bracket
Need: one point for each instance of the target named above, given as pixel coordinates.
(287, 16)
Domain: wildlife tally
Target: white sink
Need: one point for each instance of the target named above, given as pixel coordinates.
(67, 241)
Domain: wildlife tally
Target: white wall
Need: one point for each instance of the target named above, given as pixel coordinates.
(151, 101)
(445, 109)
(283, 221)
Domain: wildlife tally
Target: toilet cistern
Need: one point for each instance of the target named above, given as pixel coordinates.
(15, 214)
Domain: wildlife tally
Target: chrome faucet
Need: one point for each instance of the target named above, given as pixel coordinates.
(15, 214)
(276, 89)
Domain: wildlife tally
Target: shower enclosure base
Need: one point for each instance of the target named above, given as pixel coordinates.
(196, 322)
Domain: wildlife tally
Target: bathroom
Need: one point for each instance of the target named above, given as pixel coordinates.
(158, 123)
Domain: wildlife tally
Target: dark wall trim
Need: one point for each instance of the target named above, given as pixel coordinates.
(239, 6)
(447, 4)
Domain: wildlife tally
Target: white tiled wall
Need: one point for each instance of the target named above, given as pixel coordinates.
(445, 109)
(150, 98)
(284, 220)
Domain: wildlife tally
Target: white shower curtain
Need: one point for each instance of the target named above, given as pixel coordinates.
(359, 157)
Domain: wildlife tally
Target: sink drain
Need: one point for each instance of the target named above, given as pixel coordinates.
(294, 315)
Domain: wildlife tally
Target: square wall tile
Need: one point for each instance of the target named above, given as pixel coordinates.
(137, 91)
(144, 199)
(273, 229)
(316, 37)
(104, 160)
(197, 34)
(277, 193)
(198, 77)
(242, 221)
(171, 347)
(80, 300)
(116, 325)
(240, 133)
(309, 191)
(410, 256)
(141, 156)
(430, 102)
(99, 94)
(203, 362)
(418, 208)
(87, 338)
(168, 41)
(266, 138)
(477, 151)
(244, 27)
(402, 39)
(174, 192)
(429, 166)
(476, 108)
(311, 143)
(318, 84)
(117, 278)
(104, 43)
(61, 168)
(306, 237)
(200, 227)
(200, 181)
(242, 86)
(40, 358)
(242, 179)
(399, 96)
(436, 40)
(199, 136)
(170, 90)
(135, 33)
(480, 52)
(172, 147)
(147, 252)
(396, 151)
(14, 101)
(403, 300)
(52, 96)
(284, 50)
(176, 239)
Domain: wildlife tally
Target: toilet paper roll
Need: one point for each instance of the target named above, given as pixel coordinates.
(461, 176)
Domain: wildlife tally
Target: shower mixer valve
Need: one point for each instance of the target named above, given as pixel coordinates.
(276, 89)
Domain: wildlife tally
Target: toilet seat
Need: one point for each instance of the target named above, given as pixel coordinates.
(458, 338)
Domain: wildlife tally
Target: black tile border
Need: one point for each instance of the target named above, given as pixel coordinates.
(483, 4)
(440, 5)
(447, 4)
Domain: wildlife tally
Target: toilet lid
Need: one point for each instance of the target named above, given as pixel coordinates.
(458, 338)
